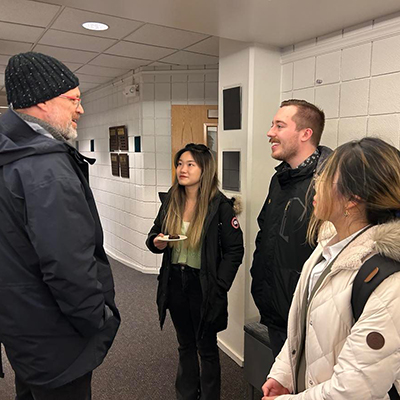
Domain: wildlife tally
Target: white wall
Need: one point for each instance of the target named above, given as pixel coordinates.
(360, 72)
(257, 70)
(128, 206)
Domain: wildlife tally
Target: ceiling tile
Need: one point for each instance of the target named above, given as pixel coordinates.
(12, 48)
(106, 60)
(19, 33)
(1, 79)
(34, 13)
(83, 78)
(85, 87)
(139, 51)
(4, 60)
(209, 46)
(71, 20)
(73, 66)
(166, 37)
(187, 58)
(75, 41)
(65, 55)
(161, 64)
(2, 69)
(101, 71)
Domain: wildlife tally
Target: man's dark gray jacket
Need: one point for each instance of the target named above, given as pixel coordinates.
(55, 279)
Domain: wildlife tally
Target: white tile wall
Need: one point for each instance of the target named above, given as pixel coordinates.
(354, 98)
(385, 92)
(356, 62)
(386, 127)
(328, 67)
(330, 135)
(304, 73)
(327, 97)
(351, 129)
(287, 77)
(128, 207)
(385, 57)
(305, 94)
(360, 73)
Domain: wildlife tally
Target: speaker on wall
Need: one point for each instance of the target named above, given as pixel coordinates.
(232, 109)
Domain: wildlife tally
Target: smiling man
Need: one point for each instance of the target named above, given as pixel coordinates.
(58, 317)
(281, 247)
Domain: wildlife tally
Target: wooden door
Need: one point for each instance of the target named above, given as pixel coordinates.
(190, 125)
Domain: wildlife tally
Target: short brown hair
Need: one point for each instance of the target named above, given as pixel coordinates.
(307, 116)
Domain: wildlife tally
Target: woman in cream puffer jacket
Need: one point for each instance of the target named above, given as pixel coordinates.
(359, 192)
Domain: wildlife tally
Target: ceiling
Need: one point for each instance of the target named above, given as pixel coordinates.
(165, 32)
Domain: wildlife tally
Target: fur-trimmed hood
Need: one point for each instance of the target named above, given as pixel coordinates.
(381, 239)
(237, 205)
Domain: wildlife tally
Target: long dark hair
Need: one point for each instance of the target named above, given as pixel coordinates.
(207, 190)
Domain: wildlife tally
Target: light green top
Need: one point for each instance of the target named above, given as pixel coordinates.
(181, 254)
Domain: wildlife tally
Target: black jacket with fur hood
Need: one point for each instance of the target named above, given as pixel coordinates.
(221, 255)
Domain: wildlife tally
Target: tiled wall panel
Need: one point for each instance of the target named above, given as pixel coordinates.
(354, 76)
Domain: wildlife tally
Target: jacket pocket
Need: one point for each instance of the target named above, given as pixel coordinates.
(217, 317)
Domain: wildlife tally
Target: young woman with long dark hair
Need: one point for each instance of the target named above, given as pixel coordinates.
(196, 273)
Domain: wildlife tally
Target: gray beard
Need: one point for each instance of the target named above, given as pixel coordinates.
(56, 133)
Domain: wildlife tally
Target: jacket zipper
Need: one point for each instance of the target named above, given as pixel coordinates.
(323, 283)
(283, 223)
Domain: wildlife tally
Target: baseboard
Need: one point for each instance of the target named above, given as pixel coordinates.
(231, 353)
(130, 264)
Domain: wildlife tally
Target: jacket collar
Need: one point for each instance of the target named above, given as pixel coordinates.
(288, 175)
(383, 239)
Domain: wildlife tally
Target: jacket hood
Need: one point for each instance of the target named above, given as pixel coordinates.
(325, 152)
(383, 239)
(237, 205)
(387, 238)
(18, 140)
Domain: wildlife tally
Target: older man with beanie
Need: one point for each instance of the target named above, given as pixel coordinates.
(58, 317)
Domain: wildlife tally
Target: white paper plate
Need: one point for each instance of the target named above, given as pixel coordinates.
(167, 239)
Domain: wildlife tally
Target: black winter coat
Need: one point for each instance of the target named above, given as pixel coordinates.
(281, 246)
(221, 255)
(55, 279)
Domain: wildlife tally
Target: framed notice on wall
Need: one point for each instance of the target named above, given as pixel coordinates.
(122, 134)
(113, 138)
(115, 164)
(124, 164)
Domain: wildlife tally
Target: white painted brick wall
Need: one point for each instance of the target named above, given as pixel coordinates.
(127, 207)
(354, 76)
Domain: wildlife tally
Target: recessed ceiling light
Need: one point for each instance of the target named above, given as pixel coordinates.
(95, 26)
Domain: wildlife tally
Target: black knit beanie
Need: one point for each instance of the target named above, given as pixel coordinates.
(33, 78)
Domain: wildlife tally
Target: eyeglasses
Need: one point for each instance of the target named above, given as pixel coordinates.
(78, 100)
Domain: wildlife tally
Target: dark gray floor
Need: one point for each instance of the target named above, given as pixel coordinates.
(142, 363)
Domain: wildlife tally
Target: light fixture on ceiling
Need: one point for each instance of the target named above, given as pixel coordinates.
(95, 26)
